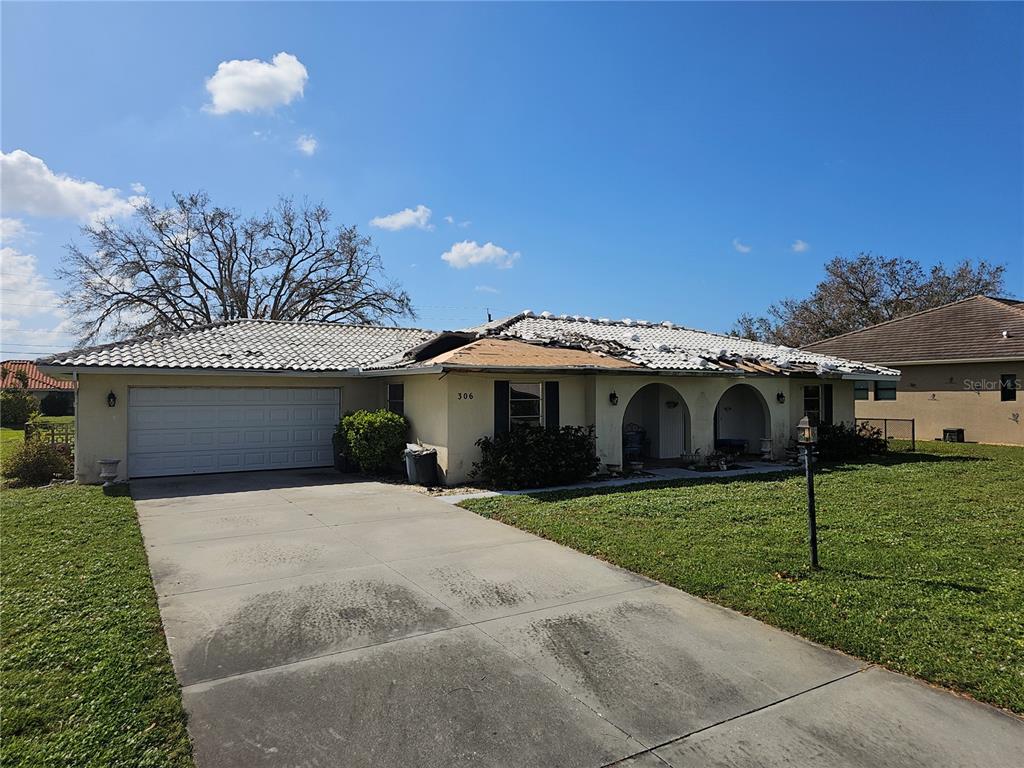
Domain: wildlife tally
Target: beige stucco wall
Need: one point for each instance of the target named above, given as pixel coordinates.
(941, 395)
(451, 412)
(470, 405)
(102, 432)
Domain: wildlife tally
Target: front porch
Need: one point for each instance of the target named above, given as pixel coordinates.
(678, 421)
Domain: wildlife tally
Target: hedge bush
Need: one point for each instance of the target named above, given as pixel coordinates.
(373, 439)
(844, 442)
(534, 457)
(57, 404)
(16, 407)
(36, 462)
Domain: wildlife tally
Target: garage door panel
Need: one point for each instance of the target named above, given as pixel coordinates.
(205, 429)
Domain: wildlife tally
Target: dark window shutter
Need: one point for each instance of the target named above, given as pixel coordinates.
(826, 405)
(500, 407)
(551, 404)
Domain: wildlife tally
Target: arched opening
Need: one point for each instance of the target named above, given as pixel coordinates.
(655, 426)
(742, 420)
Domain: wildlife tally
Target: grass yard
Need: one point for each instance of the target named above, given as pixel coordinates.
(87, 679)
(10, 439)
(922, 555)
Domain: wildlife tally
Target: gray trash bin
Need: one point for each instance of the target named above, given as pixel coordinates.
(421, 466)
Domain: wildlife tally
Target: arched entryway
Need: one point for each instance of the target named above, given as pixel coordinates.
(655, 425)
(742, 420)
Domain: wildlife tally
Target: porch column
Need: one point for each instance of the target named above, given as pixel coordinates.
(702, 423)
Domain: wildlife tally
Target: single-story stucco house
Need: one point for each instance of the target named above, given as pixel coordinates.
(962, 366)
(60, 390)
(260, 394)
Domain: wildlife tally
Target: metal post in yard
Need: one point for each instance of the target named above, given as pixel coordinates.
(913, 435)
(806, 439)
(812, 522)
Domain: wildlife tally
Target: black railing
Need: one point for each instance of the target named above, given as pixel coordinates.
(894, 429)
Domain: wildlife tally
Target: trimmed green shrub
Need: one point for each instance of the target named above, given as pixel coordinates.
(16, 407)
(36, 462)
(844, 442)
(534, 457)
(373, 439)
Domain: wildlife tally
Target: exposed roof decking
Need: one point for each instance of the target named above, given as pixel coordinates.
(490, 353)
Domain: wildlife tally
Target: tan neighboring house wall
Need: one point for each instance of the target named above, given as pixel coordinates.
(951, 395)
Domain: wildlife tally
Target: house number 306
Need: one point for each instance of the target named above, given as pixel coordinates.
(465, 395)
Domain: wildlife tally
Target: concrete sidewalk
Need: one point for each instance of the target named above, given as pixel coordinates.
(651, 475)
(313, 621)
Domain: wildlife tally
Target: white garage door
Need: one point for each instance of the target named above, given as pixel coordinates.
(192, 430)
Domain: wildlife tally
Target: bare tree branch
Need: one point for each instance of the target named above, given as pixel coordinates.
(195, 263)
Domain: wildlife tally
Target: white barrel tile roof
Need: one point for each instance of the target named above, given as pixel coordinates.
(253, 345)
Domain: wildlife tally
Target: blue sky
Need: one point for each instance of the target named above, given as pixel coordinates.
(685, 162)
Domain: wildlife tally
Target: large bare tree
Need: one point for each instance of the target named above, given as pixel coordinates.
(864, 291)
(193, 263)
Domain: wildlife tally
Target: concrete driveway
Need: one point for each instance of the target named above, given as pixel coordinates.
(318, 622)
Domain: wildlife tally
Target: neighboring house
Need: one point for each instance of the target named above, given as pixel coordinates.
(253, 394)
(61, 392)
(962, 365)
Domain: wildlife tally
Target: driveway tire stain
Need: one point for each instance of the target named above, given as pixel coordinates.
(289, 624)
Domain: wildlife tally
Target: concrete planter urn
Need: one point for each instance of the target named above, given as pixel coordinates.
(766, 448)
(108, 471)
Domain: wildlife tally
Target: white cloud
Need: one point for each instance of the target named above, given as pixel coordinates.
(11, 229)
(29, 186)
(799, 246)
(306, 144)
(253, 85)
(138, 188)
(404, 219)
(740, 247)
(449, 219)
(28, 297)
(469, 254)
(26, 292)
(486, 289)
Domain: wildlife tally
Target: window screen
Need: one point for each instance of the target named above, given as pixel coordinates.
(525, 403)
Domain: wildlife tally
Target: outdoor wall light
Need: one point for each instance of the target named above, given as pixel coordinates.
(781, 397)
(613, 399)
(111, 399)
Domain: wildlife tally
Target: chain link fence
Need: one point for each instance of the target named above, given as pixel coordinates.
(899, 433)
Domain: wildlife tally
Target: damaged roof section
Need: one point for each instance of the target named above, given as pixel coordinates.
(668, 347)
(492, 352)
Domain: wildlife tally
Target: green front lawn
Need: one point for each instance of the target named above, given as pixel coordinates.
(86, 675)
(10, 439)
(922, 555)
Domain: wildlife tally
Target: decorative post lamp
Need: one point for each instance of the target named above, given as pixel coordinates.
(807, 439)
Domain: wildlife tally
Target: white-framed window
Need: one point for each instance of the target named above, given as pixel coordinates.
(525, 403)
(885, 390)
(396, 398)
(861, 390)
(812, 403)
